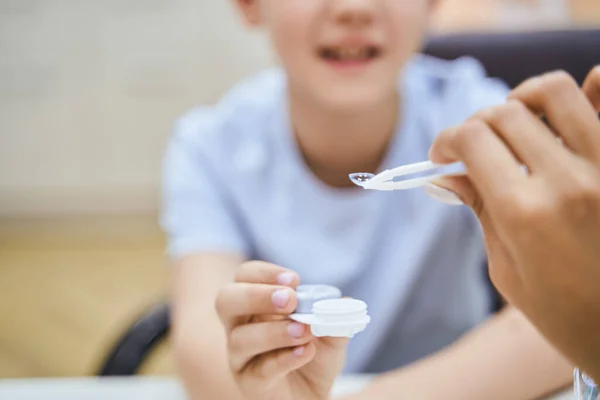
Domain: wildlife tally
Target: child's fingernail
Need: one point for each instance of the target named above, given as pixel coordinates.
(298, 351)
(441, 194)
(296, 330)
(285, 278)
(281, 298)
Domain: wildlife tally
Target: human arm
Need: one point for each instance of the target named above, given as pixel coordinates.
(206, 246)
(503, 358)
(198, 338)
(541, 227)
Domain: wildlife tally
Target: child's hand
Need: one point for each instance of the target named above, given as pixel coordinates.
(272, 357)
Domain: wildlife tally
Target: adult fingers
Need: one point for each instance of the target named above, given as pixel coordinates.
(491, 165)
(558, 97)
(591, 88)
(251, 340)
(462, 187)
(532, 141)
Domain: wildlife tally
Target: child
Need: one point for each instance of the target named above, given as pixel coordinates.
(263, 175)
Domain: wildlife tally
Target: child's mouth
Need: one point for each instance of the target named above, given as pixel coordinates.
(349, 56)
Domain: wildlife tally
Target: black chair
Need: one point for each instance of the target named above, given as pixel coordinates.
(512, 57)
(137, 343)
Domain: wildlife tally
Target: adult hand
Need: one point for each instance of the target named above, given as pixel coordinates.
(542, 225)
(271, 357)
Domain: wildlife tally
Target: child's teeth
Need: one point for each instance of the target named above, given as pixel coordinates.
(358, 53)
(347, 53)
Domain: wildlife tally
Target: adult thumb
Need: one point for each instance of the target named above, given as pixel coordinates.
(456, 190)
(501, 265)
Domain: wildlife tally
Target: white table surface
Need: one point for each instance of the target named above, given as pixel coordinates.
(138, 388)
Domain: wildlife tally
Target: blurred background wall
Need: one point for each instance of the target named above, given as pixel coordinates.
(89, 91)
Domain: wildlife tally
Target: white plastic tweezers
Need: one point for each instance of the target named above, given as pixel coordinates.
(385, 180)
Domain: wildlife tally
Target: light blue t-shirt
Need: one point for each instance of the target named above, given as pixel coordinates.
(234, 180)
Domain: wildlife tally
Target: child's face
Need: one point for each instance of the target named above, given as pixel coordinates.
(342, 53)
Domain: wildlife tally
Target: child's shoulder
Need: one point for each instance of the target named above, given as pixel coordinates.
(462, 69)
(453, 90)
(441, 76)
(239, 115)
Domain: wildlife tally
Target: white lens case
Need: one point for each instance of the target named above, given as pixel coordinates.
(322, 307)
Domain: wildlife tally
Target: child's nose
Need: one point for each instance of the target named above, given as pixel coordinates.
(353, 12)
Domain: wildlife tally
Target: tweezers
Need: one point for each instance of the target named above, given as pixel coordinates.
(385, 179)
